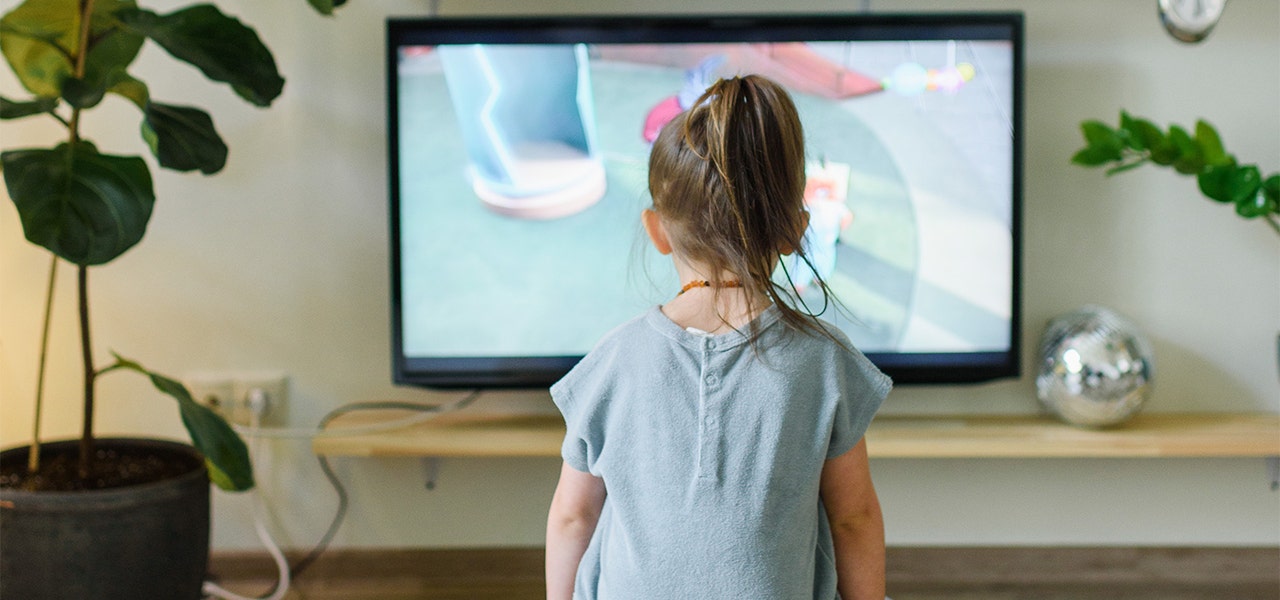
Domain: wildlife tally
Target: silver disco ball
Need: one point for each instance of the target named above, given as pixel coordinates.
(1095, 368)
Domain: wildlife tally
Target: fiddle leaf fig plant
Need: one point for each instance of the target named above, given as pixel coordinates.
(87, 206)
(1200, 153)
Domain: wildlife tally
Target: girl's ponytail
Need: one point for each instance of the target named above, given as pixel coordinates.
(728, 179)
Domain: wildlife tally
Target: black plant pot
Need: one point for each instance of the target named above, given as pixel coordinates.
(147, 541)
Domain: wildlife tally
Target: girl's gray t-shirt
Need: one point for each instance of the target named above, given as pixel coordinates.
(711, 449)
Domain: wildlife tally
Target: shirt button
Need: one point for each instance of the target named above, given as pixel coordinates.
(711, 379)
(711, 344)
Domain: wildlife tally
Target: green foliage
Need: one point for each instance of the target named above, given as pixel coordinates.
(87, 207)
(223, 48)
(225, 454)
(326, 7)
(41, 43)
(182, 138)
(1219, 176)
(16, 110)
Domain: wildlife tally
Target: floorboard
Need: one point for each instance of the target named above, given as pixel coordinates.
(912, 574)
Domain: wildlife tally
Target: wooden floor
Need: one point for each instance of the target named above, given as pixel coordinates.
(913, 574)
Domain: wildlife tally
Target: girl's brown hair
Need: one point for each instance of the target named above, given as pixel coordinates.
(727, 178)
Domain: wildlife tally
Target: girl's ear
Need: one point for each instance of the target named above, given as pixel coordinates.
(786, 249)
(657, 233)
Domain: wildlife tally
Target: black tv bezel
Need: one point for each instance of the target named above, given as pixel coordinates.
(536, 372)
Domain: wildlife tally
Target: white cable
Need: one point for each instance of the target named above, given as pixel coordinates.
(257, 434)
(429, 412)
(212, 589)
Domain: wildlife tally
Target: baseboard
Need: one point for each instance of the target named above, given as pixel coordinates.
(981, 566)
(915, 567)
(375, 563)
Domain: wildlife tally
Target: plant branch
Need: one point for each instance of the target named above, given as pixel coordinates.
(86, 349)
(1219, 177)
(33, 459)
(86, 21)
(81, 55)
(1274, 222)
(86, 437)
(60, 118)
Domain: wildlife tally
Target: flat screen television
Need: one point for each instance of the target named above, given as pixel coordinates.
(518, 153)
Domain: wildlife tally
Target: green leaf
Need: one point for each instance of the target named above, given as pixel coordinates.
(183, 138)
(223, 48)
(1255, 206)
(80, 94)
(1143, 134)
(85, 207)
(114, 48)
(324, 7)
(1271, 187)
(1215, 182)
(1098, 134)
(1210, 144)
(1103, 145)
(1132, 141)
(1243, 185)
(1164, 155)
(39, 39)
(224, 452)
(16, 110)
(1189, 160)
(135, 91)
(1093, 156)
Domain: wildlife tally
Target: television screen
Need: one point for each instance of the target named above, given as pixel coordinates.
(518, 172)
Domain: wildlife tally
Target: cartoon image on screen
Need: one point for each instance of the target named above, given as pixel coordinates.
(526, 117)
(523, 171)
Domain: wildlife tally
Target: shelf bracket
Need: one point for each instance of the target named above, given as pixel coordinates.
(1273, 472)
(431, 465)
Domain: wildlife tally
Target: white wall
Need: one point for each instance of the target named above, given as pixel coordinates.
(280, 262)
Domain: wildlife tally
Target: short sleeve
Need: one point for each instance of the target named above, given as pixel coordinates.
(863, 389)
(579, 395)
(574, 449)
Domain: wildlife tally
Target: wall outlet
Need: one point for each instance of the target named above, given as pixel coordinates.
(212, 390)
(238, 396)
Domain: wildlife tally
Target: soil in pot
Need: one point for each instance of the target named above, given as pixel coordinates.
(111, 467)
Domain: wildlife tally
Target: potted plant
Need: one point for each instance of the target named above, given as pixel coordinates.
(1200, 153)
(114, 518)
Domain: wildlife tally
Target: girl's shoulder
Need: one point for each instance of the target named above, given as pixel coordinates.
(833, 352)
(624, 340)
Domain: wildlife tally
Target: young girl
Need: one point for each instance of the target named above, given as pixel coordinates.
(714, 445)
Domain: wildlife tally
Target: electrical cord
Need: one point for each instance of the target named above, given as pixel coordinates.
(429, 411)
(289, 573)
(213, 590)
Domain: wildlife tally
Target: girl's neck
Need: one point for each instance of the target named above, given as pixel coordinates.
(712, 309)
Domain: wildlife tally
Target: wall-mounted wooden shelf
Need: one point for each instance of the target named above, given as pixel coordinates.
(477, 432)
(1147, 435)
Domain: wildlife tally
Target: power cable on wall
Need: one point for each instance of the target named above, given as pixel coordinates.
(288, 573)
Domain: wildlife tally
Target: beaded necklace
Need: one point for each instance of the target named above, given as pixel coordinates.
(701, 283)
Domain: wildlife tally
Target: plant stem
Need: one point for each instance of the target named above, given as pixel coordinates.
(86, 437)
(86, 19)
(81, 55)
(1273, 221)
(86, 351)
(33, 459)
